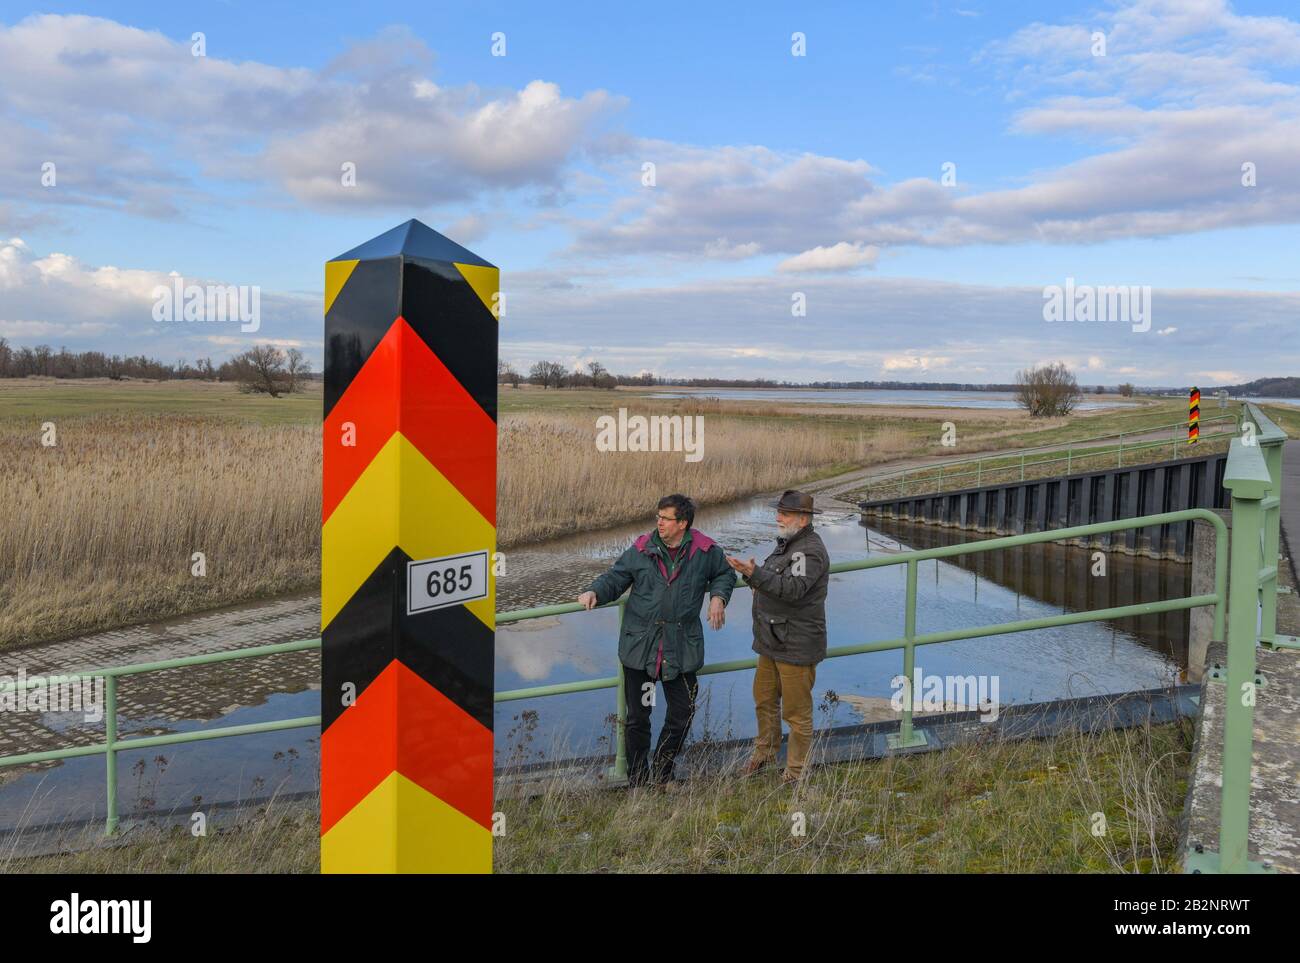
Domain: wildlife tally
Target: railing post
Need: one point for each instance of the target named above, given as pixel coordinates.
(1247, 478)
(110, 739)
(1119, 463)
(979, 464)
(1238, 723)
(906, 737)
(618, 773)
(1069, 455)
(1022, 466)
(1271, 520)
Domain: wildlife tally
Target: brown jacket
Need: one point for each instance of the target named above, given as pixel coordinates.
(790, 600)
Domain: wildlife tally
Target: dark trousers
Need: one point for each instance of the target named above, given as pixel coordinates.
(680, 695)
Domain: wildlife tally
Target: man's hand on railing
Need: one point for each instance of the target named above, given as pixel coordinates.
(587, 600)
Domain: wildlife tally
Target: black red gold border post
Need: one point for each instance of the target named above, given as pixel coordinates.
(408, 534)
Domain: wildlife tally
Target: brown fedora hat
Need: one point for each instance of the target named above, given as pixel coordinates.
(793, 501)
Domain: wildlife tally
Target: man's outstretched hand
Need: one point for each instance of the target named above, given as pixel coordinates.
(744, 568)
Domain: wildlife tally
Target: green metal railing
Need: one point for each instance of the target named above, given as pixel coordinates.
(908, 642)
(930, 479)
(112, 745)
(1253, 470)
(1254, 477)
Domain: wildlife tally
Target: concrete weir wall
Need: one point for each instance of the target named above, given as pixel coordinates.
(1042, 504)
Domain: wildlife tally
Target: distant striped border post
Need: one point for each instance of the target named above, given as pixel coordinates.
(1193, 416)
(408, 534)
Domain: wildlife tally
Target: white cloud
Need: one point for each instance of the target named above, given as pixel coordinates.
(723, 249)
(1223, 377)
(1186, 93)
(126, 115)
(916, 364)
(56, 297)
(838, 257)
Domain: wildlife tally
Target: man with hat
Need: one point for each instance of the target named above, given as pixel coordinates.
(789, 633)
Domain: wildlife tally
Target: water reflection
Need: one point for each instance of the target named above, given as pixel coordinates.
(1062, 576)
(182, 778)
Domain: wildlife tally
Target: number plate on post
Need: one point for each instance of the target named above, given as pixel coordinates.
(438, 582)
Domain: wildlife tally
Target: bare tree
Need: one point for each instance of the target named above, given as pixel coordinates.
(1126, 390)
(298, 367)
(1049, 391)
(548, 374)
(506, 373)
(600, 377)
(261, 370)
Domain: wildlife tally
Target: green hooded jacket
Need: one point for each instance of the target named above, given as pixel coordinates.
(662, 633)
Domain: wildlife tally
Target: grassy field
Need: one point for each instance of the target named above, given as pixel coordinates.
(934, 812)
(99, 530)
(278, 839)
(45, 399)
(943, 811)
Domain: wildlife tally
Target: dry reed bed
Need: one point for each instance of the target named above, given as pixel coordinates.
(552, 479)
(101, 528)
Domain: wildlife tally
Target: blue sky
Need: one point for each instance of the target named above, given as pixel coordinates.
(775, 174)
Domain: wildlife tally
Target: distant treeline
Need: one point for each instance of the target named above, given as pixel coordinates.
(553, 374)
(44, 361)
(1268, 388)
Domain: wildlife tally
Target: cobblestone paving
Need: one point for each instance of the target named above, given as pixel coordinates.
(150, 703)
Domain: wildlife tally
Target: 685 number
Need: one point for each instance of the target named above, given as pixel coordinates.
(446, 581)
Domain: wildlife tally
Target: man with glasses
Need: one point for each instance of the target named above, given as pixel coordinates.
(669, 571)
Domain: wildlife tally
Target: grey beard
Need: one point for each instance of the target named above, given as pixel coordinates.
(787, 532)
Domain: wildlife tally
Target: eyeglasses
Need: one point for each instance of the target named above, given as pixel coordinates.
(665, 518)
